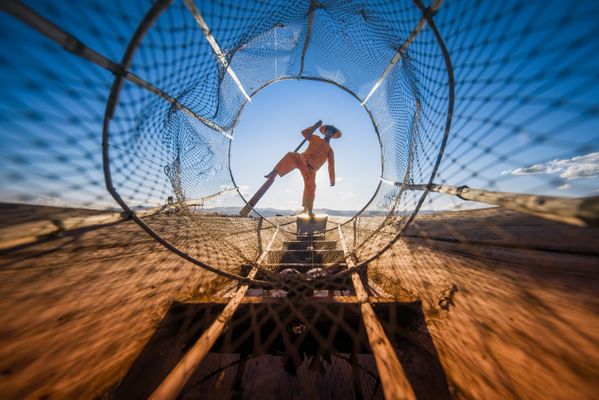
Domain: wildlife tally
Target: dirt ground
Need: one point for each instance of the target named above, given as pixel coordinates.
(75, 311)
(509, 301)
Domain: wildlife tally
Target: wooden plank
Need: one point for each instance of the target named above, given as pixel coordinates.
(174, 383)
(504, 228)
(316, 300)
(393, 378)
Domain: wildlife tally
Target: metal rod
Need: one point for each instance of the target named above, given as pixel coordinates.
(197, 15)
(77, 47)
(174, 383)
(577, 211)
(398, 55)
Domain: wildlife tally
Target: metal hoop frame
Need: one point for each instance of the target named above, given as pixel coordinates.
(147, 22)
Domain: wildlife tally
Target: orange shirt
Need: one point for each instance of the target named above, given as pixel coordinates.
(318, 152)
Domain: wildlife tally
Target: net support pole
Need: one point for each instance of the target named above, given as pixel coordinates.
(398, 55)
(308, 36)
(78, 48)
(582, 211)
(31, 232)
(393, 378)
(174, 383)
(197, 16)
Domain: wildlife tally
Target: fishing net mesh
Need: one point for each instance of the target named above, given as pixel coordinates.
(493, 95)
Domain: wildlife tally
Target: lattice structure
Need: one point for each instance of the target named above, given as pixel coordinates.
(184, 70)
(475, 104)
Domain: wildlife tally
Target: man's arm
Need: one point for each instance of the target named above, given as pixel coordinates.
(307, 133)
(331, 162)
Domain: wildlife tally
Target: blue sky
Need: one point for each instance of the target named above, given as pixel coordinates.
(270, 126)
(52, 107)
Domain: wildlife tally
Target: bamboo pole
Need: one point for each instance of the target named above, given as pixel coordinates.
(30, 232)
(399, 53)
(174, 383)
(582, 211)
(77, 47)
(393, 378)
(221, 57)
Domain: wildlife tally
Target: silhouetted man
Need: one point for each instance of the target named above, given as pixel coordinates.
(309, 162)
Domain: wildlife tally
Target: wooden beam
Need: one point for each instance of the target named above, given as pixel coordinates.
(316, 300)
(393, 378)
(31, 232)
(174, 383)
(582, 211)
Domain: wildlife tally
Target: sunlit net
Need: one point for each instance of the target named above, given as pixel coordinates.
(493, 95)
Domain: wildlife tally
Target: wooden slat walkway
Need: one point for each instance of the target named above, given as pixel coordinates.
(394, 383)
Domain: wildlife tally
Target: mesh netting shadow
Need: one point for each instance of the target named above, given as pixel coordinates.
(187, 71)
(487, 119)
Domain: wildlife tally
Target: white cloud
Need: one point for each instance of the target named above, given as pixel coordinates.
(346, 195)
(579, 167)
(339, 179)
(565, 186)
(244, 189)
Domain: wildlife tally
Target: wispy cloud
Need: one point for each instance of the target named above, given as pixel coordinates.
(244, 189)
(565, 186)
(346, 195)
(579, 167)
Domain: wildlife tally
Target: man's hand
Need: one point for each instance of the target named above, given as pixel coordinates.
(307, 133)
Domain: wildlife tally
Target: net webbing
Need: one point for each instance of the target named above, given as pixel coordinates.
(512, 82)
(498, 96)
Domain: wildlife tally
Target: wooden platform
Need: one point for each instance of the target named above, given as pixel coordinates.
(508, 303)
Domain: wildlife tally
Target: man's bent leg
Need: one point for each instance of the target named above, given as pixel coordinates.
(288, 163)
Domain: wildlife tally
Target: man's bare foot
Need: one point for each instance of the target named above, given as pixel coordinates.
(309, 212)
(271, 174)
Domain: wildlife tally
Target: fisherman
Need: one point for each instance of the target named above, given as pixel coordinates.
(309, 162)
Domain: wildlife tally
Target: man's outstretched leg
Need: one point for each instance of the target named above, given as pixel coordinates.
(288, 163)
(309, 175)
